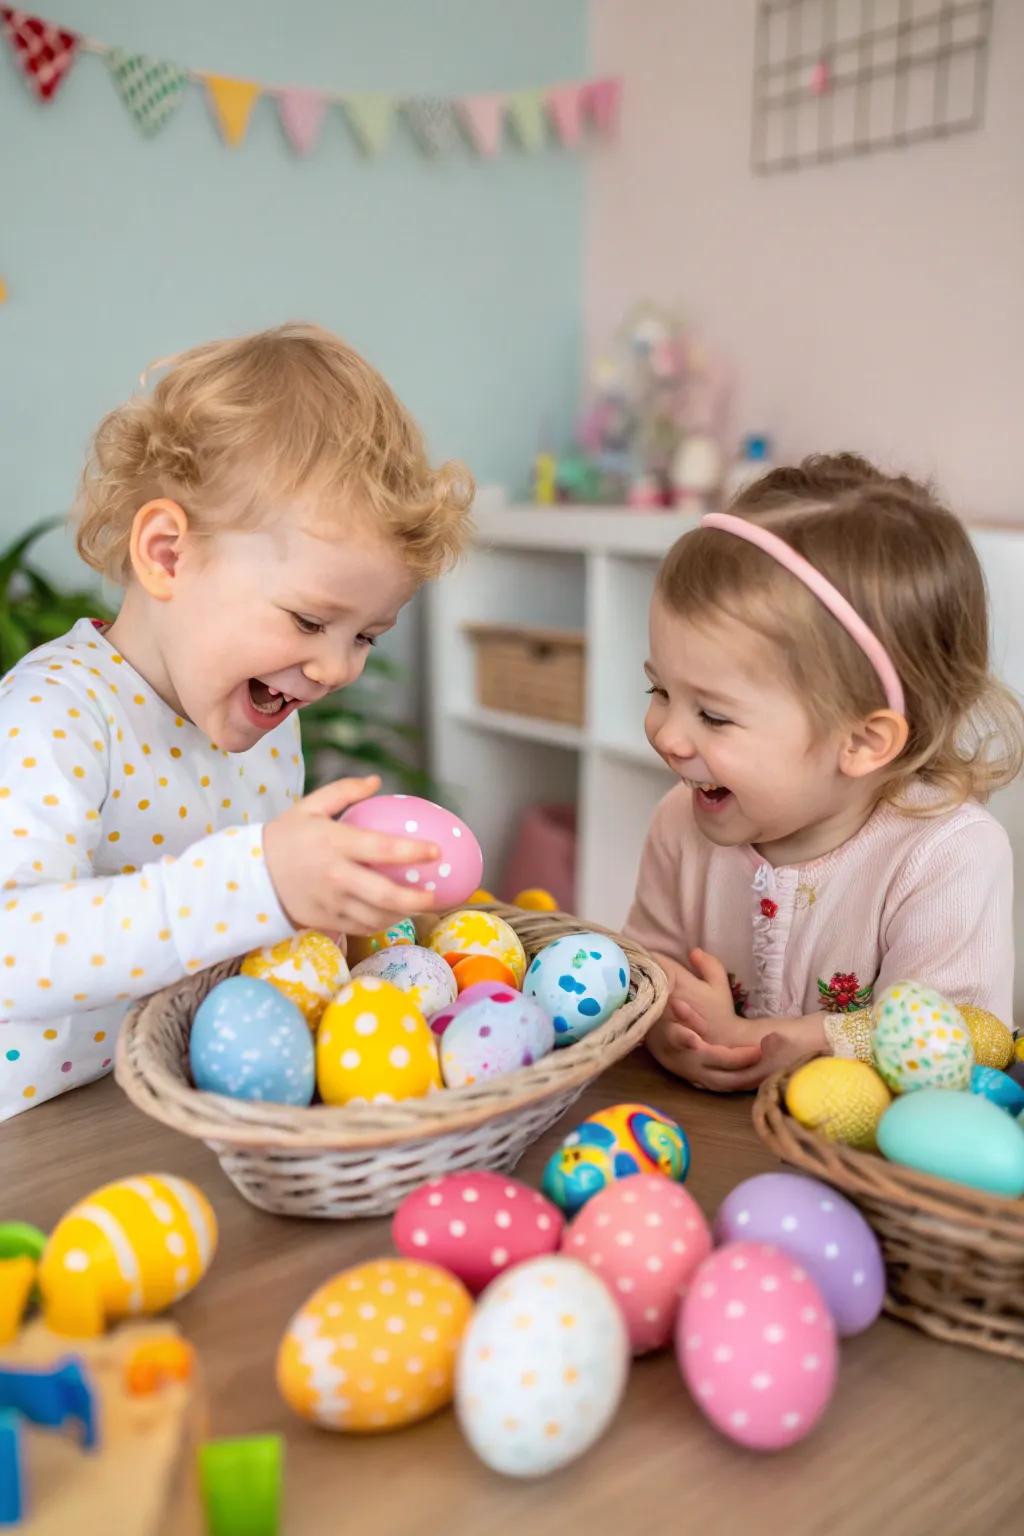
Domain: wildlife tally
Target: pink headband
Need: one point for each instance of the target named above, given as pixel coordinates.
(824, 591)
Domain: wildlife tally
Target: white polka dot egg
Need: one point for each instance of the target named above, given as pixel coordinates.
(374, 1045)
(308, 969)
(249, 1041)
(476, 1224)
(426, 979)
(452, 877)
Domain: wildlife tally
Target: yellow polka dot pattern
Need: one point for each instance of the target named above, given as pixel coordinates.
(469, 932)
(375, 1348)
(309, 969)
(992, 1041)
(374, 1045)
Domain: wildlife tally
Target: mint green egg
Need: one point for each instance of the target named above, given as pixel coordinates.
(956, 1136)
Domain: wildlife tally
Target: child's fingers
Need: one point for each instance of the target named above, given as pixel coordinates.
(364, 847)
(376, 890)
(332, 799)
(712, 970)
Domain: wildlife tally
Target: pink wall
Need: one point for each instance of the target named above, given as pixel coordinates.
(875, 304)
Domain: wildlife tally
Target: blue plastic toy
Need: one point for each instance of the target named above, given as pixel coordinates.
(11, 1503)
(52, 1396)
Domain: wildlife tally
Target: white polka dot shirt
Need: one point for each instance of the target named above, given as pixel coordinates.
(131, 855)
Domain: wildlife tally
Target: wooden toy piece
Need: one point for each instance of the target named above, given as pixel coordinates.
(17, 1277)
(155, 1362)
(51, 1396)
(240, 1481)
(12, 1500)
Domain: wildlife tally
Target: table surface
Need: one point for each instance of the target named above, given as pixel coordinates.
(920, 1437)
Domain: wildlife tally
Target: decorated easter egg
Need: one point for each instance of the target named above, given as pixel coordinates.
(535, 900)
(542, 1367)
(375, 1347)
(308, 969)
(472, 932)
(644, 1237)
(580, 980)
(476, 1225)
(453, 876)
(957, 1136)
(402, 932)
(374, 1046)
(493, 1036)
(610, 1145)
(249, 1041)
(423, 976)
(128, 1249)
(992, 1041)
(999, 1088)
(820, 1228)
(920, 1040)
(472, 969)
(756, 1345)
(841, 1100)
(474, 994)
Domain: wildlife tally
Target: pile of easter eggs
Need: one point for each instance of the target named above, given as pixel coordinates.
(408, 1019)
(525, 1308)
(937, 1097)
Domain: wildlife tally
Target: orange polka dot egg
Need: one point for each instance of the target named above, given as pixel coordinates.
(920, 1040)
(472, 932)
(375, 1348)
(374, 1046)
(309, 969)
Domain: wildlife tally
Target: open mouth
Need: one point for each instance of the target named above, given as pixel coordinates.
(269, 702)
(710, 796)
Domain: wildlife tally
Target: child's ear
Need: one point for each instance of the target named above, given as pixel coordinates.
(873, 744)
(157, 532)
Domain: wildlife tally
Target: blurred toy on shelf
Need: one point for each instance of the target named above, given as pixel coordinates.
(240, 1479)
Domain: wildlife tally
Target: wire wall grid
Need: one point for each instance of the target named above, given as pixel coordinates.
(834, 78)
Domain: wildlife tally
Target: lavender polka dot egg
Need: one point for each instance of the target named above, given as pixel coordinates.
(451, 878)
(580, 980)
(494, 1035)
(249, 1041)
(819, 1228)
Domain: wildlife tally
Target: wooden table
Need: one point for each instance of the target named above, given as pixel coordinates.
(921, 1437)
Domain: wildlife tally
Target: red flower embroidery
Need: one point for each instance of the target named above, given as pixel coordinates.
(769, 908)
(844, 993)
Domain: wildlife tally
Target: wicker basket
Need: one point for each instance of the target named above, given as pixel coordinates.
(534, 672)
(362, 1159)
(954, 1256)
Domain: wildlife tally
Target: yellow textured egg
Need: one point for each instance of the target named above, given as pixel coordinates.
(470, 932)
(992, 1041)
(843, 1100)
(374, 1046)
(128, 1249)
(375, 1347)
(309, 969)
(402, 932)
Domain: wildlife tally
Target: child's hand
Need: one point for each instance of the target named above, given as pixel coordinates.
(318, 865)
(702, 998)
(723, 1068)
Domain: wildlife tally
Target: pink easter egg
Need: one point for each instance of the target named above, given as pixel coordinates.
(644, 1236)
(756, 1345)
(495, 991)
(476, 1225)
(454, 877)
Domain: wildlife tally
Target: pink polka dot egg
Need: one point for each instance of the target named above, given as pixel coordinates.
(476, 1224)
(453, 877)
(644, 1237)
(756, 1346)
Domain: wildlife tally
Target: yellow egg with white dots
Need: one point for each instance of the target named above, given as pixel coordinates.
(374, 1046)
(841, 1100)
(308, 969)
(992, 1041)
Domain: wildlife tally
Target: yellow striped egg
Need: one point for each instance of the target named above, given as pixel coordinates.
(470, 932)
(841, 1100)
(308, 968)
(129, 1249)
(992, 1041)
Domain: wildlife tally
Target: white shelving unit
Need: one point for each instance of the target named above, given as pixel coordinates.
(584, 568)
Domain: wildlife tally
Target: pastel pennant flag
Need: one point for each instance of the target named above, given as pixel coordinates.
(151, 89)
(565, 108)
(232, 102)
(370, 115)
(603, 99)
(432, 120)
(526, 114)
(483, 118)
(302, 117)
(44, 53)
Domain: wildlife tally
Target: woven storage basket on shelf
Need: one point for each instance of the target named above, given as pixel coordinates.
(954, 1256)
(362, 1159)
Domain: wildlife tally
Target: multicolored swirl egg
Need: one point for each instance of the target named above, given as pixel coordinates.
(613, 1144)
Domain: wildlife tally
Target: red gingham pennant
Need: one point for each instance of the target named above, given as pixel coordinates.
(45, 52)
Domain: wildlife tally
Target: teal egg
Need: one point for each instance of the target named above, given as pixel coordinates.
(957, 1136)
(999, 1088)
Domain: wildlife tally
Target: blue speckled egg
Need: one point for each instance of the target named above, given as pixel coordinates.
(999, 1088)
(580, 981)
(249, 1041)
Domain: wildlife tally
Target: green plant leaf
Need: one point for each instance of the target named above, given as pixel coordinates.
(12, 558)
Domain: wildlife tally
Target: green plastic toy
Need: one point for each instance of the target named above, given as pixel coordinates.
(240, 1481)
(21, 1240)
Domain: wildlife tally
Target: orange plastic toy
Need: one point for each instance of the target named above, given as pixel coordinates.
(153, 1364)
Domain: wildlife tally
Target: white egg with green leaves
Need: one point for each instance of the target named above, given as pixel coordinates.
(920, 1039)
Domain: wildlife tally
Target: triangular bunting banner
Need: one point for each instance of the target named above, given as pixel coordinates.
(565, 108)
(603, 98)
(526, 114)
(151, 89)
(369, 115)
(483, 119)
(44, 52)
(432, 120)
(232, 102)
(302, 117)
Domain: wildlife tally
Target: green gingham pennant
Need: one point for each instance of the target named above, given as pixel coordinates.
(151, 89)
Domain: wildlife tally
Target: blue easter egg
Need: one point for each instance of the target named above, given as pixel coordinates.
(955, 1135)
(249, 1041)
(580, 980)
(998, 1087)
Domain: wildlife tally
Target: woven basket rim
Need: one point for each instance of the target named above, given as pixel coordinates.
(156, 1080)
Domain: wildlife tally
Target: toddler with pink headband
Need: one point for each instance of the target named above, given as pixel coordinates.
(820, 683)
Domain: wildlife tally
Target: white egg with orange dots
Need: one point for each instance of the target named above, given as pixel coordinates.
(128, 1249)
(308, 969)
(454, 875)
(473, 932)
(374, 1046)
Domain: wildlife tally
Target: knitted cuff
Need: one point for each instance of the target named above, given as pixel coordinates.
(849, 1034)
